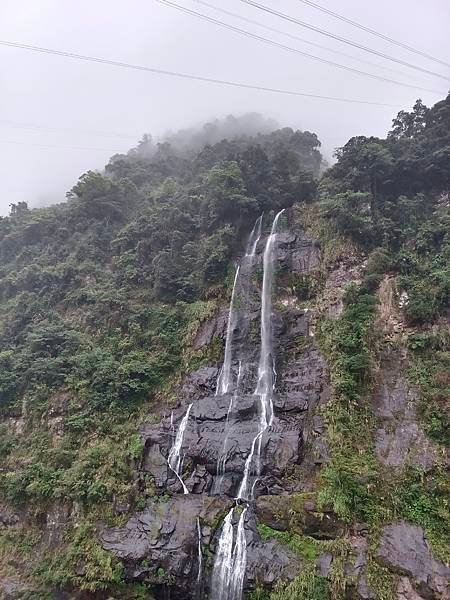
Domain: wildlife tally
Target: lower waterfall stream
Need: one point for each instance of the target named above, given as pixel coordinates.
(229, 567)
(227, 579)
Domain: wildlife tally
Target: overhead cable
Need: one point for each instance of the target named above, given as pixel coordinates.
(373, 32)
(293, 50)
(236, 84)
(334, 36)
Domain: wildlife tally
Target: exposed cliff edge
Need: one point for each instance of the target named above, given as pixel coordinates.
(151, 442)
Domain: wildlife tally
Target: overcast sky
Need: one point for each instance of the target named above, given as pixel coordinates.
(60, 117)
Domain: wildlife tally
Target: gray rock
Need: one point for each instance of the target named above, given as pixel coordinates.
(306, 258)
(324, 563)
(8, 517)
(405, 590)
(56, 520)
(12, 588)
(214, 327)
(298, 513)
(406, 443)
(399, 439)
(404, 548)
(200, 383)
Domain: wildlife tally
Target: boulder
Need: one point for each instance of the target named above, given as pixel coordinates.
(404, 548)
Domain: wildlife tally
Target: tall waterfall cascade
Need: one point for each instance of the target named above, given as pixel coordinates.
(175, 458)
(230, 563)
(227, 579)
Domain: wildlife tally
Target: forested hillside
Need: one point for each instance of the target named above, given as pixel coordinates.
(102, 302)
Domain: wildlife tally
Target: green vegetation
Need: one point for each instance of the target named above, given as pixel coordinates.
(348, 343)
(430, 371)
(101, 299)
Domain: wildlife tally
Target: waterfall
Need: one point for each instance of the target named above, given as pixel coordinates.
(254, 237)
(224, 560)
(199, 551)
(231, 557)
(224, 379)
(175, 458)
(198, 593)
(239, 560)
(222, 457)
(266, 371)
(229, 568)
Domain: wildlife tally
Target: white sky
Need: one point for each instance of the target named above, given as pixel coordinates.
(81, 98)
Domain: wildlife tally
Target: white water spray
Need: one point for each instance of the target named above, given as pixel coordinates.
(266, 372)
(229, 568)
(199, 552)
(224, 380)
(231, 557)
(175, 458)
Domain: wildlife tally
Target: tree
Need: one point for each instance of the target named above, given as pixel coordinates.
(410, 124)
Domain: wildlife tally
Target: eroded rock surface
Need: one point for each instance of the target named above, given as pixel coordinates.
(404, 548)
(400, 438)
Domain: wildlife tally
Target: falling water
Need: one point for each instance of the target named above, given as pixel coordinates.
(229, 568)
(175, 458)
(224, 379)
(230, 564)
(224, 560)
(224, 382)
(199, 551)
(266, 372)
(254, 237)
(239, 560)
(222, 457)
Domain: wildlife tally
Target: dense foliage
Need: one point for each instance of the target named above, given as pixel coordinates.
(392, 195)
(101, 296)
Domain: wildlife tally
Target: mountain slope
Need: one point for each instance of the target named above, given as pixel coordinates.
(113, 314)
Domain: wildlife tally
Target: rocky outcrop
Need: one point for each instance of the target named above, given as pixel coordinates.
(404, 548)
(299, 513)
(346, 271)
(399, 438)
(12, 588)
(163, 538)
(209, 329)
(160, 545)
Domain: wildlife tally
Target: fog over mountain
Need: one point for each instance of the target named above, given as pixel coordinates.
(61, 116)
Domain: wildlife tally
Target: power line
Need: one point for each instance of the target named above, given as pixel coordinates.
(373, 32)
(295, 37)
(247, 86)
(271, 11)
(33, 127)
(58, 146)
(289, 48)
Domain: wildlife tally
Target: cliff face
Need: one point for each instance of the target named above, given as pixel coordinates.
(289, 531)
(156, 444)
(294, 532)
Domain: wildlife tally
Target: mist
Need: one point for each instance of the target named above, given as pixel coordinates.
(60, 117)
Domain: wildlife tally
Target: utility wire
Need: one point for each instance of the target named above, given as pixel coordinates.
(271, 11)
(116, 63)
(32, 127)
(295, 37)
(289, 48)
(373, 32)
(58, 146)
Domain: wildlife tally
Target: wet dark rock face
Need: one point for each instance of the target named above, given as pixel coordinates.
(160, 545)
(163, 539)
